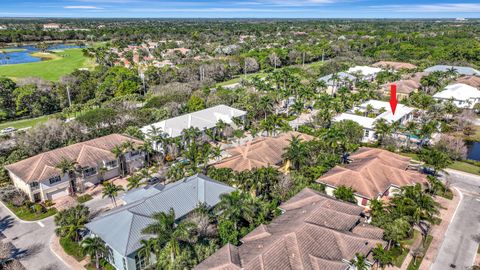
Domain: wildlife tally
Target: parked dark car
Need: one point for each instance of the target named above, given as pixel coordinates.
(153, 181)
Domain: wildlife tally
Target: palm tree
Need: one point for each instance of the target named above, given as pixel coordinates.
(147, 148)
(134, 182)
(110, 190)
(168, 234)
(345, 193)
(382, 257)
(70, 168)
(95, 248)
(360, 262)
(296, 153)
(382, 129)
(70, 222)
(119, 153)
(233, 206)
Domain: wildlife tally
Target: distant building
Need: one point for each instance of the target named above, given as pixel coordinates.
(203, 119)
(366, 73)
(404, 88)
(371, 111)
(50, 26)
(374, 174)
(394, 65)
(337, 80)
(462, 95)
(460, 70)
(3, 27)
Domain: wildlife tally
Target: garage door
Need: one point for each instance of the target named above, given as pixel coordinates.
(57, 194)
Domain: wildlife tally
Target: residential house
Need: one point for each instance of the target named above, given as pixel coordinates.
(260, 152)
(365, 72)
(404, 88)
(121, 228)
(373, 110)
(462, 95)
(466, 71)
(203, 119)
(314, 232)
(374, 174)
(50, 26)
(391, 65)
(41, 180)
(338, 80)
(473, 81)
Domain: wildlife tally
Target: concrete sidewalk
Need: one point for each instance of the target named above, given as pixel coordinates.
(57, 249)
(438, 231)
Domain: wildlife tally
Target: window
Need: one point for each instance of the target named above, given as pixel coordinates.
(34, 185)
(367, 133)
(111, 164)
(134, 153)
(140, 262)
(89, 171)
(55, 179)
(124, 263)
(111, 258)
(364, 202)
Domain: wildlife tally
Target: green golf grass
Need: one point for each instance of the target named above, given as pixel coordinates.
(68, 61)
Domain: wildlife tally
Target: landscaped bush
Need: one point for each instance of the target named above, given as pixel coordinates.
(28, 211)
(12, 195)
(84, 198)
(72, 248)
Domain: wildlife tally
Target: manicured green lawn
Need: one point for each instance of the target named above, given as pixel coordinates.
(456, 165)
(416, 265)
(465, 167)
(27, 215)
(18, 124)
(400, 254)
(72, 248)
(68, 61)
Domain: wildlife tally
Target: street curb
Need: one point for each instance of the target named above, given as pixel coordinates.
(462, 172)
(52, 238)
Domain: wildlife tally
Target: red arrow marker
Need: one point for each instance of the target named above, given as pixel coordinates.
(393, 98)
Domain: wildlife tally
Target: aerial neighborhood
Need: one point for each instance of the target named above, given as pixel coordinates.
(239, 144)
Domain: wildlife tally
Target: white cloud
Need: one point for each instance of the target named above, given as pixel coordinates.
(82, 7)
(459, 7)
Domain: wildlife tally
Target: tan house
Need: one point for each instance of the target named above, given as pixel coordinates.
(394, 65)
(404, 88)
(373, 173)
(473, 81)
(260, 152)
(41, 180)
(314, 232)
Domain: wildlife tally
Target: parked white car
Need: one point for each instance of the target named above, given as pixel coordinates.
(7, 130)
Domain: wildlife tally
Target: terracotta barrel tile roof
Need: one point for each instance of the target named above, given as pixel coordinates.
(372, 171)
(260, 152)
(88, 153)
(316, 232)
(473, 81)
(394, 65)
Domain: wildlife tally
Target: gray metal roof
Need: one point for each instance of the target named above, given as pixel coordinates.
(142, 193)
(122, 228)
(342, 75)
(460, 70)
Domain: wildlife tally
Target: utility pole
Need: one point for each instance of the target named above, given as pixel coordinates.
(69, 98)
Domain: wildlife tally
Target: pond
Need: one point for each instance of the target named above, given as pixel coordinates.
(22, 54)
(473, 152)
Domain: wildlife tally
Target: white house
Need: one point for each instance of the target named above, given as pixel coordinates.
(462, 95)
(367, 73)
(460, 70)
(203, 119)
(371, 111)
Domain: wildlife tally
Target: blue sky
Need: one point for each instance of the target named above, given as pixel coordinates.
(242, 9)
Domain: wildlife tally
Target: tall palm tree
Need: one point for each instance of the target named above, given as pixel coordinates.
(70, 222)
(70, 168)
(111, 190)
(382, 128)
(168, 234)
(296, 152)
(119, 153)
(95, 248)
(233, 206)
(134, 182)
(381, 256)
(360, 262)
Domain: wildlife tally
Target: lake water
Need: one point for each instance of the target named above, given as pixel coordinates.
(25, 57)
(473, 151)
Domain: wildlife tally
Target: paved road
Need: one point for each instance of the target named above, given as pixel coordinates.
(32, 238)
(459, 247)
(31, 241)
